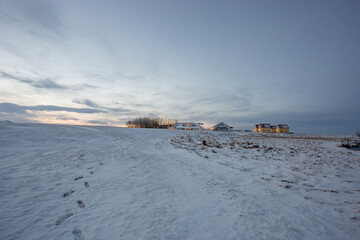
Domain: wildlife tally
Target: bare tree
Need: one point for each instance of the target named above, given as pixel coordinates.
(146, 122)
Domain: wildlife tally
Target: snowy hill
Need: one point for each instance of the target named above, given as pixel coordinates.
(77, 182)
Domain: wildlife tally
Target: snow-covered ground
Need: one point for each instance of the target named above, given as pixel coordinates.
(77, 182)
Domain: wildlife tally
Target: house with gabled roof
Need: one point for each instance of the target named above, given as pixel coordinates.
(265, 128)
(222, 127)
(186, 126)
(282, 128)
(273, 128)
(268, 128)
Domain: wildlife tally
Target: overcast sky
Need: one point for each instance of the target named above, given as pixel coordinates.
(241, 62)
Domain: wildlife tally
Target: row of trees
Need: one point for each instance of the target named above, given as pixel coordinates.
(146, 122)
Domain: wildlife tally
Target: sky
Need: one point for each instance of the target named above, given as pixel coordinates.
(240, 62)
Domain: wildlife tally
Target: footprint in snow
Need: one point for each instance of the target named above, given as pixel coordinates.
(78, 178)
(68, 193)
(80, 204)
(63, 218)
(86, 184)
(78, 235)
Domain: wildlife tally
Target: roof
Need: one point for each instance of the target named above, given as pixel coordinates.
(191, 123)
(223, 124)
(283, 126)
(265, 125)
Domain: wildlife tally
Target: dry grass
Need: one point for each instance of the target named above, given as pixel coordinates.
(321, 138)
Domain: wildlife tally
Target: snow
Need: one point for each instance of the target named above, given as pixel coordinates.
(78, 182)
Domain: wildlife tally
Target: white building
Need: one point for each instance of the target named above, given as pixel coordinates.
(187, 126)
(222, 127)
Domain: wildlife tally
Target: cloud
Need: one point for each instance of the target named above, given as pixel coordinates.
(33, 14)
(66, 109)
(43, 14)
(46, 83)
(141, 105)
(228, 101)
(66, 118)
(91, 103)
(88, 86)
(11, 108)
(17, 117)
(43, 83)
(86, 102)
(14, 108)
(188, 102)
(97, 122)
(119, 110)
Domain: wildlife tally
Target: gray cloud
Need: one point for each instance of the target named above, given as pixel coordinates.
(88, 86)
(97, 122)
(119, 76)
(43, 83)
(67, 118)
(14, 108)
(119, 110)
(91, 103)
(86, 102)
(32, 14)
(66, 109)
(43, 14)
(17, 117)
(195, 101)
(47, 83)
(239, 81)
(228, 101)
